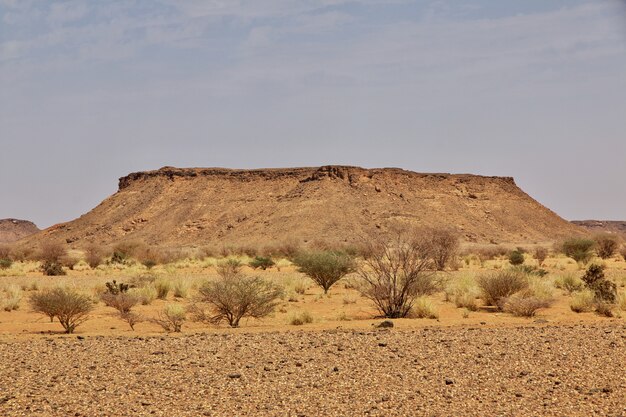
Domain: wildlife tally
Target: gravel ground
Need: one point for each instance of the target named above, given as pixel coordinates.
(482, 371)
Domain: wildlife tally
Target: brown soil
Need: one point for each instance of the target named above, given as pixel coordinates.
(573, 370)
(334, 204)
(14, 229)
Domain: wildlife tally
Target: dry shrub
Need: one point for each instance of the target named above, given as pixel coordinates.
(10, 298)
(606, 244)
(622, 252)
(325, 268)
(229, 267)
(594, 279)
(583, 301)
(497, 286)
(5, 252)
(524, 304)
(180, 289)
(621, 301)
(463, 292)
(487, 252)
(569, 282)
(68, 306)
(171, 318)
(122, 302)
(50, 255)
(94, 255)
(540, 254)
(604, 309)
(22, 253)
(444, 246)
(298, 319)
(423, 308)
(579, 249)
(145, 294)
(397, 271)
(162, 287)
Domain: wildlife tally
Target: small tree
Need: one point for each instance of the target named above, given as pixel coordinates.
(605, 291)
(444, 246)
(232, 297)
(579, 249)
(606, 245)
(68, 306)
(516, 258)
(325, 267)
(397, 271)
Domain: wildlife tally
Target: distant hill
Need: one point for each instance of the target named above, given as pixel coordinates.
(603, 226)
(201, 206)
(14, 229)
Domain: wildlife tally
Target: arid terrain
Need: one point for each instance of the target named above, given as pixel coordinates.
(603, 226)
(335, 204)
(12, 230)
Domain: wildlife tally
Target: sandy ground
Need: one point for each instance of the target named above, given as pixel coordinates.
(542, 370)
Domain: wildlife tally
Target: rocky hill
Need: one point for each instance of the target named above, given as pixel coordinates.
(603, 226)
(14, 229)
(209, 206)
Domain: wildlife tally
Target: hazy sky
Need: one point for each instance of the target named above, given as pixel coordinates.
(93, 90)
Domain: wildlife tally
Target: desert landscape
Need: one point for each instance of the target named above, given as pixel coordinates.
(406, 315)
(312, 208)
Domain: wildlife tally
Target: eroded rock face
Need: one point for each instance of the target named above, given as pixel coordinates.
(12, 230)
(334, 204)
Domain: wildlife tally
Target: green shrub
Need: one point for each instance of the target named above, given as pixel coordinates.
(497, 286)
(5, 263)
(516, 258)
(594, 279)
(325, 268)
(579, 249)
(262, 262)
(68, 306)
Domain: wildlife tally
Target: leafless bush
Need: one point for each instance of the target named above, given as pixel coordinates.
(444, 246)
(94, 255)
(541, 254)
(51, 255)
(233, 297)
(68, 306)
(122, 302)
(171, 318)
(229, 267)
(497, 286)
(606, 244)
(5, 252)
(131, 318)
(397, 271)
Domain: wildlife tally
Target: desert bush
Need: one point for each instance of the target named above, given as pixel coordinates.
(171, 318)
(93, 255)
(298, 319)
(262, 262)
(569, 282)
(229, 267)
(583, 301)
(463, 292)
(423, 308)
(5, 263)
(348, 300)
(162, 287)
(606, 244)
(5, 252)
(113, 287)
(397, 271)
(516, 258)
(68, 306)
(621, 301)
(497, 286)
(300, 288)
(122, 302)
(485, 253)
(530, 270)
(145, 294)
(579, 249)
(131, 318)
(51, 255)
(232, 297)
(180, 289)
(540, 254)
(594, 279)
(10, 298)
(123, 251)
(325, 268)
(524, 304)
(622, 252)
(444, 246)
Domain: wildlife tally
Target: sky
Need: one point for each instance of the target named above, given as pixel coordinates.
(93, 90)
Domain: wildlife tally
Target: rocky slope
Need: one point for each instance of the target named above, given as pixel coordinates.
(14, 229)
(200, 206)
(603, 226)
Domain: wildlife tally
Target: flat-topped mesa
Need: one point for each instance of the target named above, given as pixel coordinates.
(333, 204)
(351, 174)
